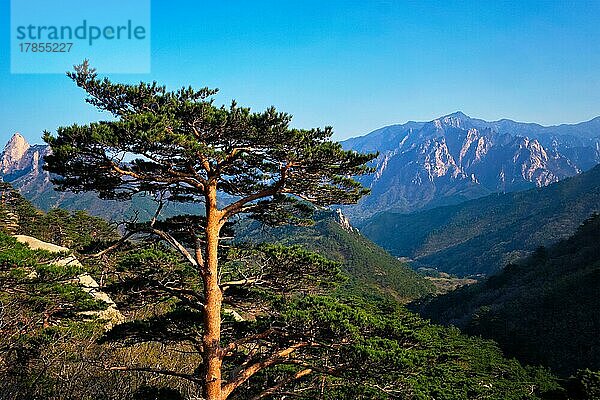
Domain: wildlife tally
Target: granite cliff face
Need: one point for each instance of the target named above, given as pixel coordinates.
(455, 158)
(21, 165)
(344, 222)
(20, 158)
(13, 155)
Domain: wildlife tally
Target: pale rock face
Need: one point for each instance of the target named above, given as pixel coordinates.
(534, 163)
(381, 167)
(441, 162)
(35, 161)
(453, 121)
(14, 152)
(344, 221)
(483, 147)
(21, 166)
(401, 144)
(111, 314)
(20, 158)
(472, 136)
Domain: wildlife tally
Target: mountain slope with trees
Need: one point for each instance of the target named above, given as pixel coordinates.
(542, 310)
(254, 319)
(227, 162)
(372, 272)
(387, 352)
(481, 236)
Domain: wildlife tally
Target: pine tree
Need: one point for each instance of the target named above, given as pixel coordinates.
(179, 147)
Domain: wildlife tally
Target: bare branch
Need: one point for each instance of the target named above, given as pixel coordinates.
(112, 247)
(241, 282)
(178, 246)
(161, 204)
(181, 294)
(248, 339)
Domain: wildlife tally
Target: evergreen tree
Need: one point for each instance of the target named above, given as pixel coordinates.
(179, 147)
(17, 215)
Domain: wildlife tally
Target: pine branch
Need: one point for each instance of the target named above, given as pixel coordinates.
(248, 372)
(272, 390)
(178, 246)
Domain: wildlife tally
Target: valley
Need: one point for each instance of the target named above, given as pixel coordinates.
(478, 237)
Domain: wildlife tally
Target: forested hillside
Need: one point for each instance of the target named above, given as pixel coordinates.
(481, 236)
(542, 310)
(388, 352)
(372, 272)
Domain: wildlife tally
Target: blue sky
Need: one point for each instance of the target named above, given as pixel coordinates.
(354, 65)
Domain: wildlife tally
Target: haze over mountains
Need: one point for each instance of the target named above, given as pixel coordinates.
(421, 164)
(456, 158)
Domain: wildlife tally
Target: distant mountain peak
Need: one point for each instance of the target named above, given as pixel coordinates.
(455, 157)
(456, 119)
(457, 114)
(17, 142)
(14, 151)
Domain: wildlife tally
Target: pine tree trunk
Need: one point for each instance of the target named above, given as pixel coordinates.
(213, 299)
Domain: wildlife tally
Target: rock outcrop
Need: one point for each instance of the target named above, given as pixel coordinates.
(344, 221)
(111, 314)
(13, 157)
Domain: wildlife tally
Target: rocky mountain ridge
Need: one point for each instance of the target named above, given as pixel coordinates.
(14, 151)
(456, 158)
(344, 222)
(20, 158)
(421, 165)
(21, 165)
